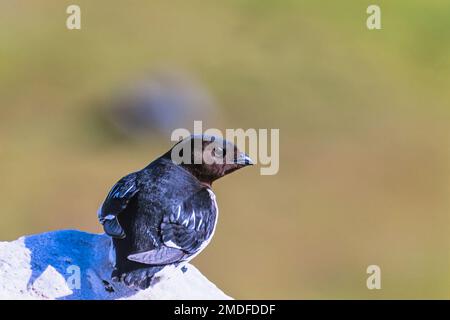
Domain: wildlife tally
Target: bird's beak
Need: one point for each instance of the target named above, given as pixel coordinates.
(244, 160)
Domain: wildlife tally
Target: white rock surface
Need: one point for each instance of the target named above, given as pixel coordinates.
(71, 264)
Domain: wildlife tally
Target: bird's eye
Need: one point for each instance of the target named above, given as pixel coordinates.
(219, 152)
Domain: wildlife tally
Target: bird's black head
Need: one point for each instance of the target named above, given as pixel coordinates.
(208, 158)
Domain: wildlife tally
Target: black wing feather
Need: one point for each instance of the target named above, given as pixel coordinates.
(184, 230)
(191, 223)
(116, 201)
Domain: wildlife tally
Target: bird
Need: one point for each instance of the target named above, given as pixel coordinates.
(166, 213)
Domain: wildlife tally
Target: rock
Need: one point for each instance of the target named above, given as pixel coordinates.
(70, 264)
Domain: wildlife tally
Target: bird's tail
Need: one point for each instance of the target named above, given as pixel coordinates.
(131, 273)
(140, 277)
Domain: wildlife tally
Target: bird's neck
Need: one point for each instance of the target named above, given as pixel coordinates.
(195, 170)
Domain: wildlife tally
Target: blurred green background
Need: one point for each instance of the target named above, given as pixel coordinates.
(364, 119)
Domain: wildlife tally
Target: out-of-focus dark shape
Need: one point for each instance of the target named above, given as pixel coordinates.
(160, 103)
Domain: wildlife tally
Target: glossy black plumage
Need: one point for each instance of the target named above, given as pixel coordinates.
(163, 214)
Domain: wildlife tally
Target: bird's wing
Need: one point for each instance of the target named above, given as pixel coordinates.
(184, 230)
(116, 201)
